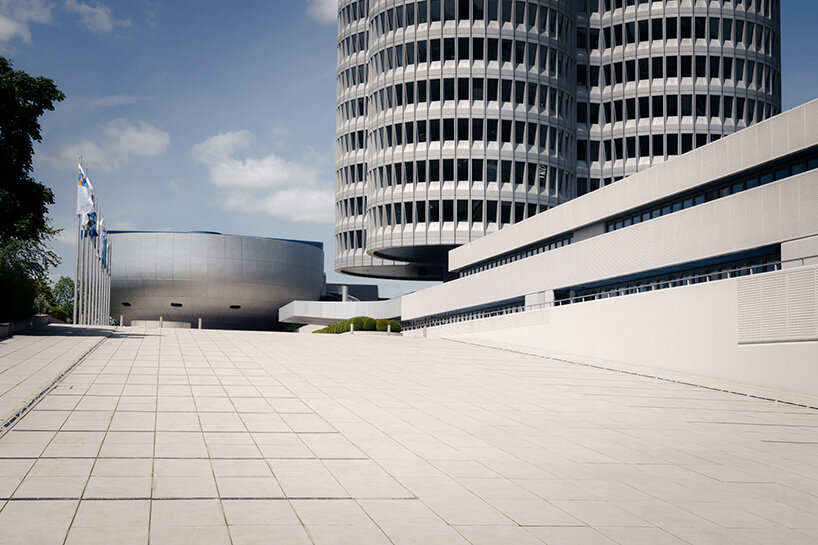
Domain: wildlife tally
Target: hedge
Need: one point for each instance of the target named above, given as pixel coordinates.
(361, 323)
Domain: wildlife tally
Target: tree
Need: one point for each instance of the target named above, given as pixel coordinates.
(64, 295)
(24, 224)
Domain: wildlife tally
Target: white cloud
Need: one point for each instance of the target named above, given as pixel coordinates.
(120, 143)
(67, 236)
(325, 11)
(111, 101)
(10, 28)
(15, 16)
(97, 18)
(271, 184)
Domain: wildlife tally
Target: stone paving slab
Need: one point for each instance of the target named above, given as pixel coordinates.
(30, 362)
(215, 437)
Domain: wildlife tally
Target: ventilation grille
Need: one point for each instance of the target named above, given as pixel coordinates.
(779, 307)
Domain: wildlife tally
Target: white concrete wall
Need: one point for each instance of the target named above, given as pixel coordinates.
(771, 214)
(690, 330)
(329, 312)
(800, 252)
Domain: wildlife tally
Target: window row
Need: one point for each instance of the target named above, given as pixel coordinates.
(645, 146)
(533, 55)
(516, 255)
(530, 15)
(353, 12)
(351, 240)
(739, 70)
(353, 75)
(486, 131)
(499, 308)
(541, 98)
(701, 28)
(448, 211)
(350, 174)
(554, 180)
(726, 108)
(691, 276)
(351, 109)
(779, 170)
(765, 7)
(355, 206)
(352, 44)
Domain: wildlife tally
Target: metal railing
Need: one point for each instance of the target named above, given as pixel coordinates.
(630, 288)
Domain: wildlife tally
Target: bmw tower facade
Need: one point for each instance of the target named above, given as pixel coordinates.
(459, 117)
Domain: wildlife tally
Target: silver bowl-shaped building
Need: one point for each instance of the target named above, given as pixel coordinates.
(229, 281)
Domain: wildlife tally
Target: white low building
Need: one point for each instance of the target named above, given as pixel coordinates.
(706, 264)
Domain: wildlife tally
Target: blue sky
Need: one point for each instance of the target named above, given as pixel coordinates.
(201, 115)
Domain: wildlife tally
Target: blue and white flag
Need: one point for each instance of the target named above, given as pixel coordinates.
(102, 236)
(92, 225)
(85, 196)
(104, 244)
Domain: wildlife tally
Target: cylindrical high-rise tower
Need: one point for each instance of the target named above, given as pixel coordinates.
(657, 79)
(470, 119)
(458, 117)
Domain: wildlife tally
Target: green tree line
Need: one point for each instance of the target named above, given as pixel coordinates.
(25, 227)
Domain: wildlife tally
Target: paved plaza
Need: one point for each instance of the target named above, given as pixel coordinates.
(214, 437)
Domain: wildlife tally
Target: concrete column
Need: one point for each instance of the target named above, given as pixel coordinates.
(200, 323)
(344, 293)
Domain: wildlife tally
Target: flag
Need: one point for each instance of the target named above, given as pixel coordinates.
(102, 236)
(104, 243)
(92, 225)
(85, 196)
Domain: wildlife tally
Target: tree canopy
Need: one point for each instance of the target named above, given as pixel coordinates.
(23, 201)
(24, 222)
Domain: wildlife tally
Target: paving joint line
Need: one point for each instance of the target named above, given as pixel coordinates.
(8, 424)
(635, 373)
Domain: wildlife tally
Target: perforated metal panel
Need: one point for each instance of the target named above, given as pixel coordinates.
(779, 307)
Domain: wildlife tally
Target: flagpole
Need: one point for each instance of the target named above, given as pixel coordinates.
(80, 280)
(99, 277)
(76, 269)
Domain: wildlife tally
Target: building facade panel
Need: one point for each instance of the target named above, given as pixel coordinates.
(230, 282)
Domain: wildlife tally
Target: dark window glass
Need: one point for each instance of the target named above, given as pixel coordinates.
(463, 10)
(463, 49)
(448, 10)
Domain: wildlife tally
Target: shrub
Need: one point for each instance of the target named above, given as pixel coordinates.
(387, 325)
(361, 323)
(60, 314)
(358, 321)
(368, 324)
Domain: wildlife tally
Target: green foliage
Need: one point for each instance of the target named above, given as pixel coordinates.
(60, 314)
(23, 201)
(388, 325)
(24, 225)
(368, 324)
(64, 297)
(361, 323)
